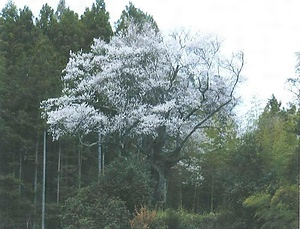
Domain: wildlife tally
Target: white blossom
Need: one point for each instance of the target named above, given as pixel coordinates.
(141, 81)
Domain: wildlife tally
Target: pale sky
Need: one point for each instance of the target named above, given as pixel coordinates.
(267, 31)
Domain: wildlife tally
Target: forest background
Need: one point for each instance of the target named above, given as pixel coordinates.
(232, 180)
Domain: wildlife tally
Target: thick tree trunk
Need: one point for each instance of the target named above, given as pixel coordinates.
(160, 194)
(158, 163)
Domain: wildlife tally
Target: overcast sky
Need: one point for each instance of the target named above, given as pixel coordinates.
(267, 31)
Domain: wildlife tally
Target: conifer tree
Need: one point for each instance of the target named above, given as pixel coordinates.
(95, 24)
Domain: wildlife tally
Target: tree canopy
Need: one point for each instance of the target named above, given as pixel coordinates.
(143, 85)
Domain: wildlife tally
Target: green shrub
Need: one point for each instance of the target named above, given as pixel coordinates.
(183, 220)
(91, 208)
(159, 221)
(128, 179)
(172, 219)
(278, 210)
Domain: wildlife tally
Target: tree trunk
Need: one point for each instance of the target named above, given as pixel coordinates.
(180, 192)
(298, 190)
(99, 156)
(160, 194)
(35, 184)
(79, 165)
(194, 198)
(160, 166)
(20, 172)
(103, 160)
(212, 196)
(44, 180)
(58, 173)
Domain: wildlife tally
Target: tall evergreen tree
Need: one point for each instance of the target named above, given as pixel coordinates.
(17, 40)
(17, 36)
(68, 35)
(131, 14)
(60, 10)
(47, 21)
(95, 24)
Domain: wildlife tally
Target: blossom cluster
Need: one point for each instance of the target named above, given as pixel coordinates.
(140, 81)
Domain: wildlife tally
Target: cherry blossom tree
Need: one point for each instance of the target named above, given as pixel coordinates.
(159, 90)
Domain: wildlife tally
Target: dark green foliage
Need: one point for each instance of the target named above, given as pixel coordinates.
(32, 57)
(245, 170)
(91, 208)
(46, 22)
(61, 9)
(16, 210)
(95, 24)
(54, 212)
(129, 179)
(68, 35)
(125, 185)
(17, 36)
(45, 80)
(131, 13)
(172, 219)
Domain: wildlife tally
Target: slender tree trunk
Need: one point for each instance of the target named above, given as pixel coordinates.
(44, 181)
(298, 190)
(79, 165)
(15, 164)
(20, 171)
(99, 156)
(35, 183)
(103, 160)
(194, 198)
(65, 169)
(58, 173)
(212, 195)
(180, 192)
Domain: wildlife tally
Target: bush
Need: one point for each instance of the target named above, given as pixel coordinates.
(278, 210)
(91, 208)
(143, 218)
(129, 180)
(183, 220)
